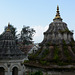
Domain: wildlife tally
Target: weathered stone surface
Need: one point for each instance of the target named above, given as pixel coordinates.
(8, 47)
(58, 45)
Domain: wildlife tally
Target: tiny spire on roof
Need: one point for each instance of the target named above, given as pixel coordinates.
(57, 14)
(57, 7)
(8, 28)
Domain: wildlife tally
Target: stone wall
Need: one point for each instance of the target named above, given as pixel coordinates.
(8, 66)
(47, 72)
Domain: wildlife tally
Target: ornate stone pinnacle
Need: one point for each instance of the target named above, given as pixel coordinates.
(57, 14)
(8, 29)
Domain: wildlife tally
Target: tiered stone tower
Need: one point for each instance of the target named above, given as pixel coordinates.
(57, 31)
(8, 47)
(11, 57)
(58, 45)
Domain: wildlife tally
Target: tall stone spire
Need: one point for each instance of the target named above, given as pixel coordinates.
(57, 14)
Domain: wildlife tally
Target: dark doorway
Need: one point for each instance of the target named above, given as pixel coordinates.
(15, 71)
(2, 72)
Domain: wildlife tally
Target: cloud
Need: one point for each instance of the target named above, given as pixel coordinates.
(38, 37)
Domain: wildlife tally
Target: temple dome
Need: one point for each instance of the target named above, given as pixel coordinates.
(58, 44)
(8, 47)
(57, 31)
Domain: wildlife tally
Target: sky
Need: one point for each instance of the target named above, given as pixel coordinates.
(37, 14)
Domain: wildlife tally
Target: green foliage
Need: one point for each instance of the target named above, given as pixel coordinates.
(43, 62)
(26, 35)
(43, 55)
(61, 63)
(64, 43)
(48, 44)
(72, 43)
(66, 53)
(66, 30)
(37, 73)
(26, 61)
(72, 46)
(56, 53)
(36, 54)
(46, 51)
(73, 49)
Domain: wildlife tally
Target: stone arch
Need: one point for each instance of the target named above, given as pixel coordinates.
(15, 71)
(15, 65)
(2, 71)
(5, 68)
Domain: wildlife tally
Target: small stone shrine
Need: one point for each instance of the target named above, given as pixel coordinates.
(11, 57)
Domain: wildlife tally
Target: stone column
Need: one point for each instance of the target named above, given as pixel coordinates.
(6, 72)
(10, 72)
(19, 73)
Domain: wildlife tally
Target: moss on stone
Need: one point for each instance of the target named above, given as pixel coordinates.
(66, 52)
(45, 53)
(26, 61)
(65, 31)
(56, 53)
(36, 54)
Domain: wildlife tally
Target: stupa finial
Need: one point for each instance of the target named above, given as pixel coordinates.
(8, 28)
(57, 14)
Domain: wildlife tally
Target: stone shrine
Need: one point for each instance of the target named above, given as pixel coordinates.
(57, 50)
(11, 57)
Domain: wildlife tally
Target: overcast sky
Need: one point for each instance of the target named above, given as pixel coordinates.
(37, 14)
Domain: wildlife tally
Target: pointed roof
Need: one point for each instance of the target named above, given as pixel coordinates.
(8, 46)
(56, 50)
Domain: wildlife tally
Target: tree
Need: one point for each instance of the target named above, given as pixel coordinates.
(26, 35)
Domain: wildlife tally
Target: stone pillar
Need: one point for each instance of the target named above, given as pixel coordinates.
(19, 73)
(6, 72)
(10, 73)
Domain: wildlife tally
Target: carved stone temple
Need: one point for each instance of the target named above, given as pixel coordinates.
(11, 57)
(57, 31)
(57, 50)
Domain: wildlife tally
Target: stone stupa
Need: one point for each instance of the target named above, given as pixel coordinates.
(57, 47)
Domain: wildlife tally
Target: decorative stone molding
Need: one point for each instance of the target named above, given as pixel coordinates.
(5, 67)
(15, 65)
